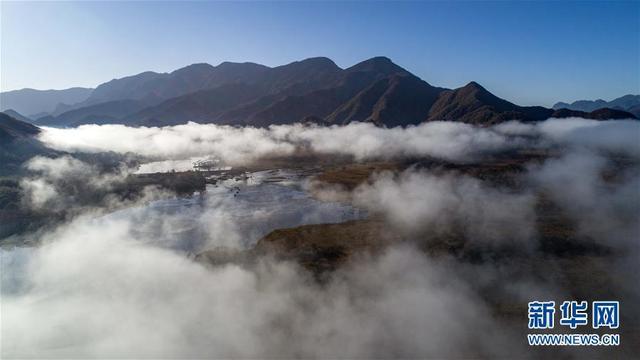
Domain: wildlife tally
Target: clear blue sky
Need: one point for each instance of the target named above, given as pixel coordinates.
(527, 52)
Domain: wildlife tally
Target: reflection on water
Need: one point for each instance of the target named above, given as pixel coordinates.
(196, 163)
(235, 212)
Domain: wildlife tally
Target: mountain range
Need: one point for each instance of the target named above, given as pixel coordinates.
(629, 103)
(312, 90)
(35, 103)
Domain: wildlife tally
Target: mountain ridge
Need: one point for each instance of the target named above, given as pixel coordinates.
(474, 104)
(314, 89)
(629, 103)
(18, 143)
(30, 101)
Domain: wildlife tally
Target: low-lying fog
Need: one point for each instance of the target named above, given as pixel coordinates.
(124, 284)
(233, 213)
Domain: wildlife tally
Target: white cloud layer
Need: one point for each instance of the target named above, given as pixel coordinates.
(437, 204)
(114, 295)
(444, 140)
(109, 288)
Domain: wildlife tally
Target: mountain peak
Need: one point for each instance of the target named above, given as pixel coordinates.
(474, 104)
(231, 64)
(380, 60)
(316, 63)
(319, 60)
(199, 67)
(16, 115)
(381, 64)
(474, 85)
(476, 91)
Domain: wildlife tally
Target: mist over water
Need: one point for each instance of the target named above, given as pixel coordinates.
(233, 213)
(122, 285)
